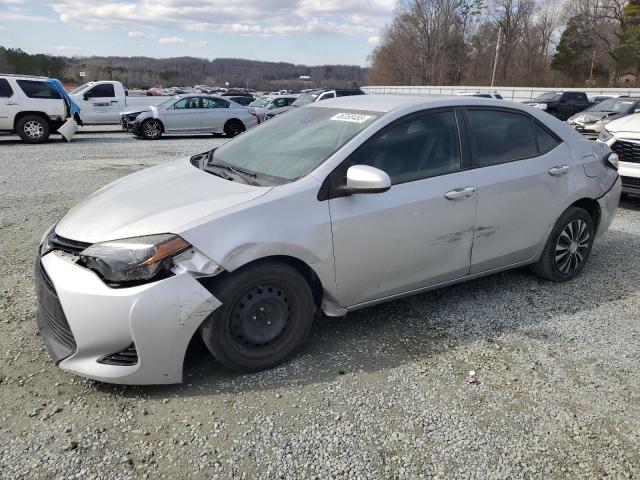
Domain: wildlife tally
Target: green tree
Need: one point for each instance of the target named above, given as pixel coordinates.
(628, 52)
(573, 54)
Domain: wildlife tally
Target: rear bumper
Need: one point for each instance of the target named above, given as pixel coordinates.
(608, 206)
(156, 320)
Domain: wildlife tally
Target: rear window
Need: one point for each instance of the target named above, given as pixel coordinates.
(5, 89)
(38, 89)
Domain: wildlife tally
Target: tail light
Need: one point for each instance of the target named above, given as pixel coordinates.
(252, 111)
(612, 160)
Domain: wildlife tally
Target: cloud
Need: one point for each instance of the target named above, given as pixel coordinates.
(361, 18)
(23, 17)
(135, 34)
(374, 40)
(171, 40)
(198, 44)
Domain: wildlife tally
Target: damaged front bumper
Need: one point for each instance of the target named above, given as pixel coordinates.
(98, 332)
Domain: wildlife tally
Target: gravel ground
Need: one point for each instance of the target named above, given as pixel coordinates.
(382, 393)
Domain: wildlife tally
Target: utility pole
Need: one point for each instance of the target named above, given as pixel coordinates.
(495, 60)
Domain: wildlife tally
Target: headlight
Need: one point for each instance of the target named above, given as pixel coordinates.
(604, 135)
(133, 259)
(613, 160)
(603, 121)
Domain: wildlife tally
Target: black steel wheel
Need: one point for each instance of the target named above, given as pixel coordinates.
(568, 247)
(233, 127)
(266, 313)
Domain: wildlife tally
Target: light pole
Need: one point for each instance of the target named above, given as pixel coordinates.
(495, 60)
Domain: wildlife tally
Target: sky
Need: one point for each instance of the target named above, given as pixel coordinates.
(310, 32)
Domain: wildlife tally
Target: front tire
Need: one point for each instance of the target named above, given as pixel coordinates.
(151, 129)
(266, 314)
(568, 248)
(33, 129)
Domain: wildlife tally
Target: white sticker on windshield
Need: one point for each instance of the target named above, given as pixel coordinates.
(351, 117)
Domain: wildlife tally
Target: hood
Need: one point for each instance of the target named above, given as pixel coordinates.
(139, 109)
(589, 117)
(160, 199)
(629, 123)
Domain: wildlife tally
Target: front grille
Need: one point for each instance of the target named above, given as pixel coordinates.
(56, 242)
(627, 151)
(631, 185)
(126, 357)
(52, 322)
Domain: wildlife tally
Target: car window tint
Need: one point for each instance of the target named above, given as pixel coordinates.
(420, 147)
(102, 90)
(214, 103)
(546, 141)
(501, 136)
(244, 101)
(37, 89)
(5, 89)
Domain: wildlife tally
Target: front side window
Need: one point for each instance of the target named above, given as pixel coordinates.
(421, 147)
(104, 90)
(187, 104)
(306, 138)
(38, 89)
(279, 102)
(501, 136)
(5, 89)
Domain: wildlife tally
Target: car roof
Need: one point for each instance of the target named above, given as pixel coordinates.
(26, 77)
(387, 103)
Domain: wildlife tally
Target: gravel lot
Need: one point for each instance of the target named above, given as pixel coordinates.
(382, 393)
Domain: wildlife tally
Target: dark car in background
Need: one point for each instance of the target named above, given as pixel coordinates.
(561, 104)
(315, 96)
(592, 121)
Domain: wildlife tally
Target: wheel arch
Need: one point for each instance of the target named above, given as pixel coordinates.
(593, 209)
(24, 113)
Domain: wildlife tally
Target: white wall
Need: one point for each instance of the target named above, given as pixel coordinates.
(517, 94)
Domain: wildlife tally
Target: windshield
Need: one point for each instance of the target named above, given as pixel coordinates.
(260, 102)
(80, 89)
(613, 105)
(291, 145)
(548, 97)
(304, 99)
(169, 101)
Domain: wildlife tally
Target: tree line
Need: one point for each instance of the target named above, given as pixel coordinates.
(542, 43)
(142, 72)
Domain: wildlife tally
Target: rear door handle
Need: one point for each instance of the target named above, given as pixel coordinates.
(460, 193)
(559, 170)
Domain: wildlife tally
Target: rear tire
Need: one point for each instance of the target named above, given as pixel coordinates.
(568, 248)
(151, 129)
(266, 314)
(33, 129)
(233, 127)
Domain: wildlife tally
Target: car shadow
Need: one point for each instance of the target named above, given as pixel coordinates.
(422, 327)
(630, 202)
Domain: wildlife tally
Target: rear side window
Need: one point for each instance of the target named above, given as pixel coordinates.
(546, 141)
(420, 147)
(244, 101)
(101, 91)
(37, 89)
(5, 89)
(502, 137)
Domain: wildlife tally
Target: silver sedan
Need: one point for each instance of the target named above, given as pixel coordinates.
(330, 208)
(188, 114)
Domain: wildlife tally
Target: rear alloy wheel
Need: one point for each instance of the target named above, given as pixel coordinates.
(151, 129)
(33, 129)
(233, 128)
(266, 314)
(568, 248)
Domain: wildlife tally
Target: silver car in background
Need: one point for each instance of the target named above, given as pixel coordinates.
(265, 103)
(189, 114)
(361, 200)
(592, 121)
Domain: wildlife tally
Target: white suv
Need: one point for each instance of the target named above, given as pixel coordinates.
(30, 107)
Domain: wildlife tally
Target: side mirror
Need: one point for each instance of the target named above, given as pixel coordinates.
(86, 96)
(366, 179)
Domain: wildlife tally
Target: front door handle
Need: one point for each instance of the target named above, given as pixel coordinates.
(460, 193)
(559, 170)
(11, 103)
